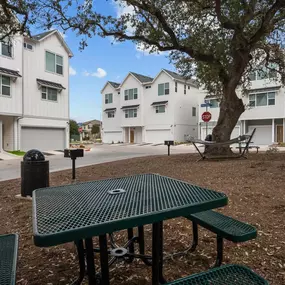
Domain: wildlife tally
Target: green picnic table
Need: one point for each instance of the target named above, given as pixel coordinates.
(78, 212)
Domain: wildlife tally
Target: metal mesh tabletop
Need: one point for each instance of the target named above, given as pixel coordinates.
(72, 212)
(8, 259)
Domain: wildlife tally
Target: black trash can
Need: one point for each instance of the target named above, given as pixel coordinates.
(34, 172)
(208, 138)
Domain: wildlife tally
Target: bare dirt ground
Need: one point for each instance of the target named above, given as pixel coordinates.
(256, 191)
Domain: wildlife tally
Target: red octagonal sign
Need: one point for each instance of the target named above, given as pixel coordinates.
(206, 116)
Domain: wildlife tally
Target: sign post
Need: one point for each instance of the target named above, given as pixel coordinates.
(206, 117)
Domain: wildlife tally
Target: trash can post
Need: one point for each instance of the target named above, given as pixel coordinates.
(34, 172)
(73, 154)
(168, 143)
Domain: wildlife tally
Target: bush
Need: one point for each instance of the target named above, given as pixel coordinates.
(272, 149)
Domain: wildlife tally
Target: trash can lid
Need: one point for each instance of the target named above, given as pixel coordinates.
(34, 155)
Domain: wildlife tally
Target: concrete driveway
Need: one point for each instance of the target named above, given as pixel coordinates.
(10, 169)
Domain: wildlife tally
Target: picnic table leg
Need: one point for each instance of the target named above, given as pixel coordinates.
(195, 236)
(81, 259)
(157, 254)
(142, 245)
(104, 260)
(90, 261)
(220, 245)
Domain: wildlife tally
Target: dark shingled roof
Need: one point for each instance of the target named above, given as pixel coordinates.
(13, 73)
(142, 78)
(114, 84)
(179, 77)
(130, 106)
(110, 109)
(159, 103)
(42, 35)
(49, 84)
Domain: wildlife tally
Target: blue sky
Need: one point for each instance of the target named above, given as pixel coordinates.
(102, 61)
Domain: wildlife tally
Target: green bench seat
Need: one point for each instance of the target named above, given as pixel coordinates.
(8, 259)
(224, 275)
(225, 227)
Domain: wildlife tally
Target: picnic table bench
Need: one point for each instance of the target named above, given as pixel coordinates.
(225, 227)
(250, 146)
(225, 275)
(8, 258)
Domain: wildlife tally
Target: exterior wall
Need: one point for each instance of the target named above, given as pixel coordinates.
(33, 69)
(131, 83)
(8, 132)
(44, 123)
(13, 105)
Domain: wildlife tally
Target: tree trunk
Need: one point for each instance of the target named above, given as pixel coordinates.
(231, 107)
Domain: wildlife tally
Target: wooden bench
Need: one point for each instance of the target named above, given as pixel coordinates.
(224, 226)
(224, 275)
(8, 258)
(249, 147)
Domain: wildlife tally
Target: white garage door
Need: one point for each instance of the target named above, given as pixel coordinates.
(42, 139)
(262, 136)
(235, 132)
(157, 136)
(115, 137)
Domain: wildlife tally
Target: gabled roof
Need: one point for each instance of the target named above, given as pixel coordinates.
(42, 36)
(142, 78)
(114, 84)
(179, 77)
(94, 122)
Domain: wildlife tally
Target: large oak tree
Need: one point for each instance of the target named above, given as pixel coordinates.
(221, 41)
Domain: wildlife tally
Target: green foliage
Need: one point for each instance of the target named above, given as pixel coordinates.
(95, 129)
(73, 128)
(17, 152)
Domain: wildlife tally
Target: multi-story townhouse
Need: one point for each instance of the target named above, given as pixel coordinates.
(151, 110)
(265, 110)
(34, 92)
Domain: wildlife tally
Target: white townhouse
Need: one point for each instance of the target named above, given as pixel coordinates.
(34, 92)
(265, 110)
(142, 109)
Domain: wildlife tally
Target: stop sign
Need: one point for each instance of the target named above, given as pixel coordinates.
(80, 129)
(206, 116)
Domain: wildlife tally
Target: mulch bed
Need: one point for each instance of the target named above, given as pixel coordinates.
(256, 191)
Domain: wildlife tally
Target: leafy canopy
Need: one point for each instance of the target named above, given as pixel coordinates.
(220, 41)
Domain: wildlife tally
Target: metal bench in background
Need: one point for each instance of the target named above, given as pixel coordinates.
(225, 227)
(8, 259)
(224, 275)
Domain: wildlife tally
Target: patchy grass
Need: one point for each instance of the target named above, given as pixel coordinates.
(17, 152)
(255, 188)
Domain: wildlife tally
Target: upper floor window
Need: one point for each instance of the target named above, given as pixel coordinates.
(184, 89)
(131, 113)
(108, 98)
(160, 109)
(262, 99)
(266, 73)
(163, 89)
(28, 46)
(214, 103)
(54, 63)
(5, 85)
(194, 111)
(111, 114)
(176, 86)
(49, 94)
(148, 87)
(6, 47)
(131, 94)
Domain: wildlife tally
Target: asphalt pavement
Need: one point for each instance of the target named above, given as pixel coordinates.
(10, 169)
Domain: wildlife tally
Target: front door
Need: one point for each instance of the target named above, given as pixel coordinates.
(132, 136)
(279, 133)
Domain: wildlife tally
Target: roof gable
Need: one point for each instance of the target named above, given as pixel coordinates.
(114, 85)
(142, 78)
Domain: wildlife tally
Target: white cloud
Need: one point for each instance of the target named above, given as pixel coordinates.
(100, 73)
(72, 71)
(122, 10)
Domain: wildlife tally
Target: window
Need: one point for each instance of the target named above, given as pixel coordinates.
(6, 47)
(49, 94)
(160, 109)
(131, 94)
(131, 113)
(54, 63)
(194, 111)
(214, 103)
(108, 98)
(5, 84)
(184, 89)
(176, 86)
(163, 89)
(148, 87)
(262, 99)
(28, 46)
(264, 74)
(111, 114)
(188, 87)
